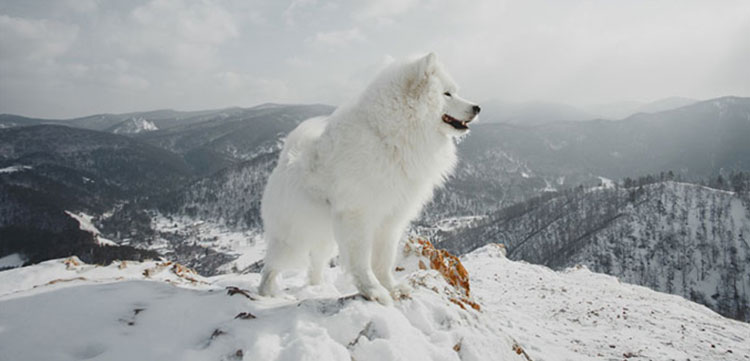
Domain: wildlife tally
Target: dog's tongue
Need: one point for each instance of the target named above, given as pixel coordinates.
(455, 123)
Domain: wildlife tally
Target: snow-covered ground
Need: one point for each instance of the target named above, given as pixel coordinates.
(581, 315)
(65, 310)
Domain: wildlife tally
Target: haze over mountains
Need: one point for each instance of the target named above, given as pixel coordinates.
(536, 113)
(151, 178)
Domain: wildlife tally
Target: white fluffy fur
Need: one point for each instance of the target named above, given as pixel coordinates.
(357, 178)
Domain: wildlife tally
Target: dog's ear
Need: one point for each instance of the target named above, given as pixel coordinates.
(430, 63)
(427, 64)
(424, 67)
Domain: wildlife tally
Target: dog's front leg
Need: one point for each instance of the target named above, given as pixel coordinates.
(353, 233)
(386, 244)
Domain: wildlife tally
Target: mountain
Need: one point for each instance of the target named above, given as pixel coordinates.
(231, 196)
(162, 119)
(665, 104)
(696, 140)
(621, 110)
(192, 191)
(616, 110)
(51, 169)
(526, 312)
(205, 225)
(501, 165)
(678, 238)
(230, 138)
(133, 126)
(130, 167)
(11, 121)
(531, 113)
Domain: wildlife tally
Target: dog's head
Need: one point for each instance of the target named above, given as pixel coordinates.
(433, 88)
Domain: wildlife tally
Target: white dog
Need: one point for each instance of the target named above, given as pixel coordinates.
(360, 175)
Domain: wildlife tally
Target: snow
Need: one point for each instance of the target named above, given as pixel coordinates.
(548, 187)
(86, 224)
(12, 260)
(247, 246)
(607, 183)
(135, 125)
(453, 223)
(581, 315)
(157, 310)
(81, 311)
(14, 168)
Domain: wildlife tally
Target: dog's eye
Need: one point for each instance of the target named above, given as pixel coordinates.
(448, 94)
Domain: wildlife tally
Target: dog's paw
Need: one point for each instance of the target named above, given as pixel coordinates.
(379, 294)
(401, 289)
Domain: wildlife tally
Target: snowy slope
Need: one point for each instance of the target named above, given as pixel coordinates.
(134, 125)
(679, 238)
(580, 315)
(64, 310)
(85, 224)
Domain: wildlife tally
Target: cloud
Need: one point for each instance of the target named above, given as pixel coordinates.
(383, 9)
(179, 33)
(337, 39)
(76, 57)
(296, 6)
(298, 62)
(82, 6)
(238, 88)
(34, 40)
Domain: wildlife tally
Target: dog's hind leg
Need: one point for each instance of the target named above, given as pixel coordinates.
(268, 285)
(319, 259)
(276, 260)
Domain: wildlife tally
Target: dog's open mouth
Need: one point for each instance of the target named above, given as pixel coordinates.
(455, 123)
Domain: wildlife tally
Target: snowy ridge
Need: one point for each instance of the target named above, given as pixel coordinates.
(134, 125)
(528, 312)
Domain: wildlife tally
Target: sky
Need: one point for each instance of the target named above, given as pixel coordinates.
(68, 58)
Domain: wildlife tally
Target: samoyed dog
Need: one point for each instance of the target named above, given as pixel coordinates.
(356, 178)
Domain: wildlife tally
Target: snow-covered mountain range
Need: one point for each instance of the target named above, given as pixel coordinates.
(190, 191)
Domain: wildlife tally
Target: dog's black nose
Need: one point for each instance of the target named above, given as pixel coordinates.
(477, 109)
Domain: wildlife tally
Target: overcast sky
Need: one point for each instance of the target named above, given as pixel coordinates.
(71, 58)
